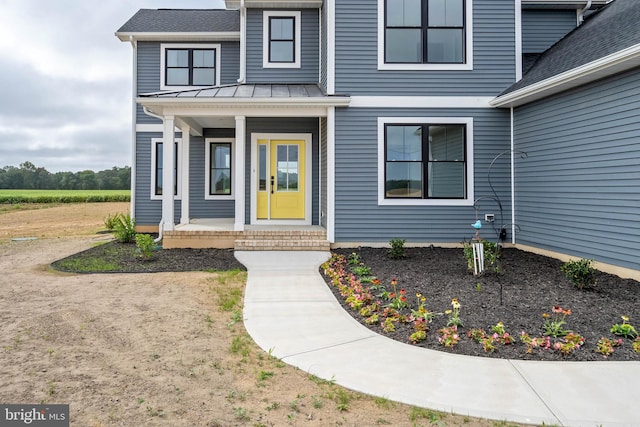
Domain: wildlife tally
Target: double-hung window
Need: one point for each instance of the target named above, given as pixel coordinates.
(219, 169)
(190, 65)
(425, 34)
(281, 39)
(157, 168)
(426, 161)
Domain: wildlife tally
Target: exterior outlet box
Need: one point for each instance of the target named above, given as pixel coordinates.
(489, 217)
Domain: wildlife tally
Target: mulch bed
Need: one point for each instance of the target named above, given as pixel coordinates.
(527, 286)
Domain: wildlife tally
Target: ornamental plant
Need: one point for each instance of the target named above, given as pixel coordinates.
(397, 249)
(554, 323)
(535, 342)
(569, 343)
(480, 336)
(448, 336)
(624, 329)
(500, 334)
(580, 272)
(454, 313)
(145, 245)
(421, 312)
(605, 346)
(636, 345)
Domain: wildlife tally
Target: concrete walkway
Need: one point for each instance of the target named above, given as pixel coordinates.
(290, 311)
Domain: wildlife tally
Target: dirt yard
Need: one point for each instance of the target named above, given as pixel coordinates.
(150, 349)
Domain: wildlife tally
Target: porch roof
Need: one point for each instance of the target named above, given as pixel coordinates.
(263, 96)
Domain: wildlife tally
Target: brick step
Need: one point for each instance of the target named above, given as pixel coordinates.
(282, 245)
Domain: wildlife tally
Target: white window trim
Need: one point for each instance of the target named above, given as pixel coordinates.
(468, 201)
(265, 38)
(163, 69)
(154, 149)
(467, 66)
(207, 173)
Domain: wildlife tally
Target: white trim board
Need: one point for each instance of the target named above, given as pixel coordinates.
(421, 101)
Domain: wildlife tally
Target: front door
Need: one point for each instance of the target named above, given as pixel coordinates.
(281, 179)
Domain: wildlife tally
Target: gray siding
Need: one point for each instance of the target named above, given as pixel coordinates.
(356, 185)
(147, 211)
(323, 48)
(148, 70)
(285, 125)
(356, 55)
(309, 65)
(542, 28)
(578, 192)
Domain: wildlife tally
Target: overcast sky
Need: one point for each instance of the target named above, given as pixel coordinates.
(65, 97)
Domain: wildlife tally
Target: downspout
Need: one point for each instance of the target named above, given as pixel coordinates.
(582, 12)
(243, 43)
(161, 225)
(513, 182)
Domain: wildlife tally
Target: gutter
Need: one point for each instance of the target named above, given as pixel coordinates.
(243, 43)
(161, 225)
(582, 12)
(134, 108)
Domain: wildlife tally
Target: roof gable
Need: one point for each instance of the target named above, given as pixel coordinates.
(611, 30)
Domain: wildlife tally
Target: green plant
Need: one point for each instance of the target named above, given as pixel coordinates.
(110, 221)
(448, 336)
(354, 259)
(580, 272)
(145, 245)
(500, 334)
(569, 343)
(361, 270)
(491, 255)
(397, 249)
(454, 313)
(264, 375)
(635, 345)
(624, 329)
(553, 324)
(605, 346)
(125, 228)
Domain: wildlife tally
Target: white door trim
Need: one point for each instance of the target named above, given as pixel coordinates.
(307, 138)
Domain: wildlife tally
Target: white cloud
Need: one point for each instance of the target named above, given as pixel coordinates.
(66, 99)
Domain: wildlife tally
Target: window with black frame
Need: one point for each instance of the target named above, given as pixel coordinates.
(425, 161)
(424, 32)
(159, 158)
(190, 67)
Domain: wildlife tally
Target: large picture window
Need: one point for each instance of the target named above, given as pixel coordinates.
(194, 65)
(425, 162)
(425, 34)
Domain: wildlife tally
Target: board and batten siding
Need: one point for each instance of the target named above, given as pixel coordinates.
(357, 55)
(309, 51)
(147, 211)
(578, 191)
(284, 125)
(148, 70)
(543, 28)
(359, 218)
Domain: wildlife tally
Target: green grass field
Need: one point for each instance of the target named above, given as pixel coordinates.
(63, 196)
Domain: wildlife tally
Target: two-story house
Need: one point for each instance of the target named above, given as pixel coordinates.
(354, 122)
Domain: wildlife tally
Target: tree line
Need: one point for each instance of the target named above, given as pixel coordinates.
(29, 177)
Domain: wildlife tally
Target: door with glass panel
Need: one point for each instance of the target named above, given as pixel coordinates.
(281, 179)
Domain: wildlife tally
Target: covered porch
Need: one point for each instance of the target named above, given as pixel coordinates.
(268, 188)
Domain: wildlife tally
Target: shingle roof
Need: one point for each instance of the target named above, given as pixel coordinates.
(182, 20)
(612, 29)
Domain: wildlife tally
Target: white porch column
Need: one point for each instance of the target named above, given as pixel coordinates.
(168, 141)
(239, 166)
(331, 174)
(184, 167)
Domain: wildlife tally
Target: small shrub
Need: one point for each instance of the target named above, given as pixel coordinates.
(491, 255)
(397, 249)
(581, 273)
(110, 221)
(125, 228)
(145, 245)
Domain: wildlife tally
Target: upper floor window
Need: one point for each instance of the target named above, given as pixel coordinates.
(281, 39)
(425, 34)
(426, 161)
(189, 65)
